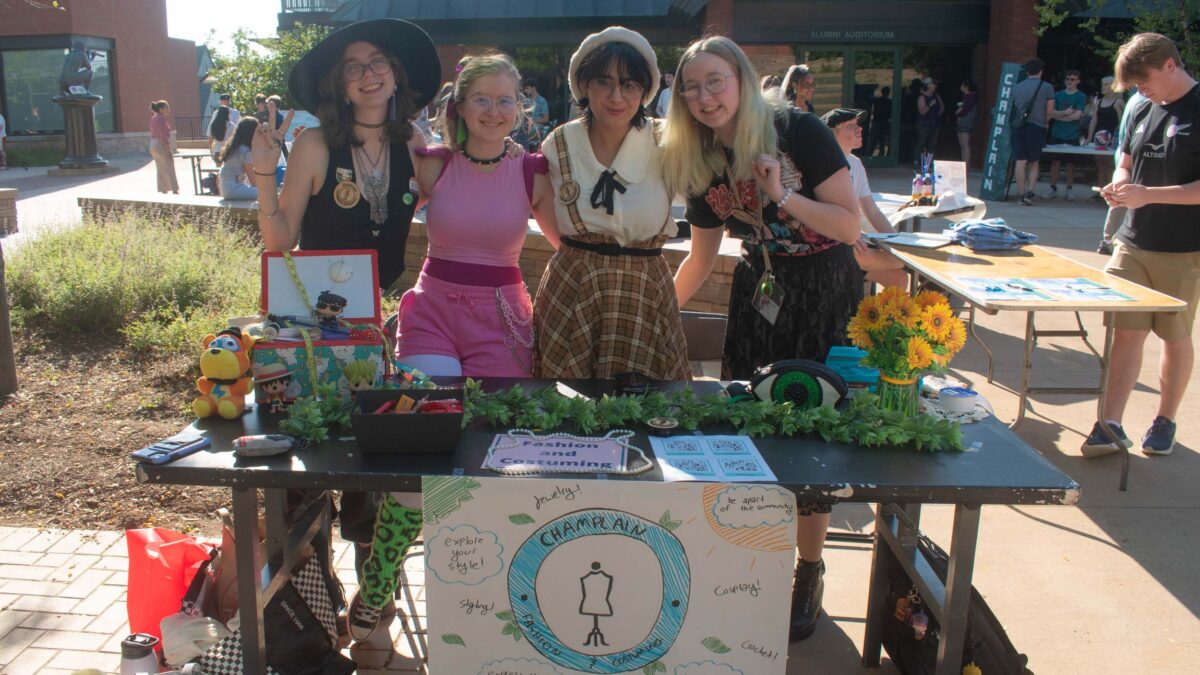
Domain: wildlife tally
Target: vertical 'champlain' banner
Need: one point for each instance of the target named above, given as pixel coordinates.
(561, 577)
(994, 185)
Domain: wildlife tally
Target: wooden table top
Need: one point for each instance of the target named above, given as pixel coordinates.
(944, 266)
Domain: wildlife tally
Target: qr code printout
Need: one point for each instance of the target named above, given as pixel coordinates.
(728, 446)
(697, 466)
(684, 446)
(739, 465)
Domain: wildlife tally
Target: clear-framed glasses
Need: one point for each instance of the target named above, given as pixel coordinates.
(482, 103)
(630, 89)
(714, 83)
(352, 72)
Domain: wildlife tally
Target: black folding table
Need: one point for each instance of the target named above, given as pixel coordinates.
(998, 468)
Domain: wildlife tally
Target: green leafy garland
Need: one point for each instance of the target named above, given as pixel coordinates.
(311, 417)
(862, 422)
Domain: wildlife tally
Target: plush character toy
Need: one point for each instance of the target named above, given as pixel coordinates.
(224, 375)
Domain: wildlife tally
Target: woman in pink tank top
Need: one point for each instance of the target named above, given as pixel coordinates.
(469, 312)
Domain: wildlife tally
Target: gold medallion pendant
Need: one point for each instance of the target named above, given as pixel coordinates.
(346, 194)
(568, 192)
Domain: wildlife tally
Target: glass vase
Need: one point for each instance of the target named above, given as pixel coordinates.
(900, 395)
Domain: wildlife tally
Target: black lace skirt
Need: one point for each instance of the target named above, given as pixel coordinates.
(821, 295)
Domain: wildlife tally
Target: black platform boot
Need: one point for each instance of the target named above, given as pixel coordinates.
(807, 591)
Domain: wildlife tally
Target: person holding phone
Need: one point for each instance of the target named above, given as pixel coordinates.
(1158, 246)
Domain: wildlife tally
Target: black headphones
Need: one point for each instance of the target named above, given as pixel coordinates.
(804, 383)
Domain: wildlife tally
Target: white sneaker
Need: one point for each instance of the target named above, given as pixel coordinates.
(1069, 197)
(1052, 193)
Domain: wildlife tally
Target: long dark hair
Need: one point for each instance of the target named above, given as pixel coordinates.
(220, 123)
(337, 115)
(630, 65)
(242, 135)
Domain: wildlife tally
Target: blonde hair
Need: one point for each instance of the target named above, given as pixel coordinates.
(691, 153)
(1142, 53)
(473, 68)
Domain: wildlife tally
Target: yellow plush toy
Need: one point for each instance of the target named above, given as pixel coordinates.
(225, 375)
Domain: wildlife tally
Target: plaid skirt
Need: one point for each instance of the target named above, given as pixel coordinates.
(598, 315)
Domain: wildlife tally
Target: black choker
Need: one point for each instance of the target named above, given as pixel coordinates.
(369, 126)
(485, 162)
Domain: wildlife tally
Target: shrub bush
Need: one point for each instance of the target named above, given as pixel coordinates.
(160, 282)
(34, 156)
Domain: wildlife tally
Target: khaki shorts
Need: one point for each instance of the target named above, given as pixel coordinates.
(1175, 274)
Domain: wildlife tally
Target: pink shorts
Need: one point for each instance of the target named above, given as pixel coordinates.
(486, 328)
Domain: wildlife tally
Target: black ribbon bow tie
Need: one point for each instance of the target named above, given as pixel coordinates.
(602, 194)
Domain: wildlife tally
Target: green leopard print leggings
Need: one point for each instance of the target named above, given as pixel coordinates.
(396, 527)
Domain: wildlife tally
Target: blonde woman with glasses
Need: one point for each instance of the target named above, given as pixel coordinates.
(775, 178)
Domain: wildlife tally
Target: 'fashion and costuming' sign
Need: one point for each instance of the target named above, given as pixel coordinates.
(556, 577)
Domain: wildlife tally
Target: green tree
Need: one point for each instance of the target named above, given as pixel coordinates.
(1177, 19)
(262, 65)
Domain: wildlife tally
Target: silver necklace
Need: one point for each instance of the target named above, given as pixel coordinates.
(375, 181)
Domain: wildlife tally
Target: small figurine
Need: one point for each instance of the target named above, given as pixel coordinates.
(224, 374)
(360, 375)
(329, 308)
(273, 380)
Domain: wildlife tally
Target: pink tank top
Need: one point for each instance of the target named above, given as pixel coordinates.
(475, 217)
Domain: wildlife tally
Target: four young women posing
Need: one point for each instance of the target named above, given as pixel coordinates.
(770, 175)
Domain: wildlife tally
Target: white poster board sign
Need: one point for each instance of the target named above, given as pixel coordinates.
(558, 576)
(951, 180)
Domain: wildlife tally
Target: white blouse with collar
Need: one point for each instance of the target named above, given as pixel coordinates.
(641, 212)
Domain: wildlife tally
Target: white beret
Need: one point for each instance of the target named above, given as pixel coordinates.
(614, 34)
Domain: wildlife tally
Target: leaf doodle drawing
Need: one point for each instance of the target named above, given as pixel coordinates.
(714, 645)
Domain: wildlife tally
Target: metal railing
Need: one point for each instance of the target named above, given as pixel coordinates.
(191, 128)
(311, 5)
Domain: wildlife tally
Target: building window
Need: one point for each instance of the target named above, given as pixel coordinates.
(31, 83)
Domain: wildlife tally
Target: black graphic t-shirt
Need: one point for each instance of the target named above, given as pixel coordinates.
(1164, 144)
(808, 154)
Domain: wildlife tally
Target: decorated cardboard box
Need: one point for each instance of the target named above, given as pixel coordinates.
(333, 298)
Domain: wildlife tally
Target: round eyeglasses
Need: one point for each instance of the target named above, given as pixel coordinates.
(352, 72)
(630, 89)
(483, 103)
(715, 83)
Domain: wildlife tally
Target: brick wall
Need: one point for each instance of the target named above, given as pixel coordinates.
(1011, 39)
(148, 66)
(8, 211)
(771, 59)
(718, 18)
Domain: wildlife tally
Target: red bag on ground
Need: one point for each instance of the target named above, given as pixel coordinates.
(162, 564)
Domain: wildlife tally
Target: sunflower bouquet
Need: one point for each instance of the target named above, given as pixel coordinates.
(905, 336)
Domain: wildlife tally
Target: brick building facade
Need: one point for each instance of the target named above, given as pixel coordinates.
(133, 62)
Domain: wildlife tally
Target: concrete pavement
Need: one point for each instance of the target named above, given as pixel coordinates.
(1106, 586)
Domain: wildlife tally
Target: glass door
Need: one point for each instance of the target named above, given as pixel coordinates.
(875, 80)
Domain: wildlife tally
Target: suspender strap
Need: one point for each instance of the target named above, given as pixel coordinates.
(568, 192)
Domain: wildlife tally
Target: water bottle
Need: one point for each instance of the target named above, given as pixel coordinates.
(137, 655)
(917, 186)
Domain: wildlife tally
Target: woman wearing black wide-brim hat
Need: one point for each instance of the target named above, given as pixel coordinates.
(351, 186)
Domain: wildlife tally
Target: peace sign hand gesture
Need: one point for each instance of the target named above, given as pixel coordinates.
(268, 142)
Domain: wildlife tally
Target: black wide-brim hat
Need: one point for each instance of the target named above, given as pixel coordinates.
(406, 41)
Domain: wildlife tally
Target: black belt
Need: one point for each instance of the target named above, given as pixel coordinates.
(611, 249)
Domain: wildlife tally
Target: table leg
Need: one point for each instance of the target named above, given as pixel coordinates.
(958, 589)
(971, 329)
(1026, 365)
(195, 174)
(1105, 362)
(250, 602)
(876, 594)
